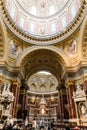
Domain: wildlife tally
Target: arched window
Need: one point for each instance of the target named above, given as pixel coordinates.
(33, 10)
(32, 27)
(21, 23)
(63, 20)
(73, 11)
(12, 12)
(51, 9)
(53, 27)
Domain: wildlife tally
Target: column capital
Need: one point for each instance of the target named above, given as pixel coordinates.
(69, 82)
(16, 82)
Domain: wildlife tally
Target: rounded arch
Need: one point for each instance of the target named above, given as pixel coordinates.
(36, 68)
(64, 58)
(3, 38)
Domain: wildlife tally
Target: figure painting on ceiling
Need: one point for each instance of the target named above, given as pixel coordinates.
(72, 47)
(14, 48)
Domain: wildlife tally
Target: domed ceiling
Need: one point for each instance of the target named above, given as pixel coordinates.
(41, 19)
(42, 8)
(42, 82)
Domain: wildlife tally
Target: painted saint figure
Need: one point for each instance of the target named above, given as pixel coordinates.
(72, 47)
(13, 48)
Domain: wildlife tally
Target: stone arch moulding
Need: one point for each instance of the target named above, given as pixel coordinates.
(81, 35)
(3, 37)
(60, 53)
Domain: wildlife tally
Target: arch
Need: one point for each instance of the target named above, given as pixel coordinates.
(59, 52)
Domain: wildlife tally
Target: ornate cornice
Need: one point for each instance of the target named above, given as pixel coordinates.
(43, 41)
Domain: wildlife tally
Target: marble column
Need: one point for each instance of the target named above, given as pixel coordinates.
(22, 101)
(15, 90)
(71, 104)
(63, 100)
(22, 112)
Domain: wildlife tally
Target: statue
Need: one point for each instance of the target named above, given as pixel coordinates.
(6, 88)
(7, 96)
(83, 110)
(79, 90)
